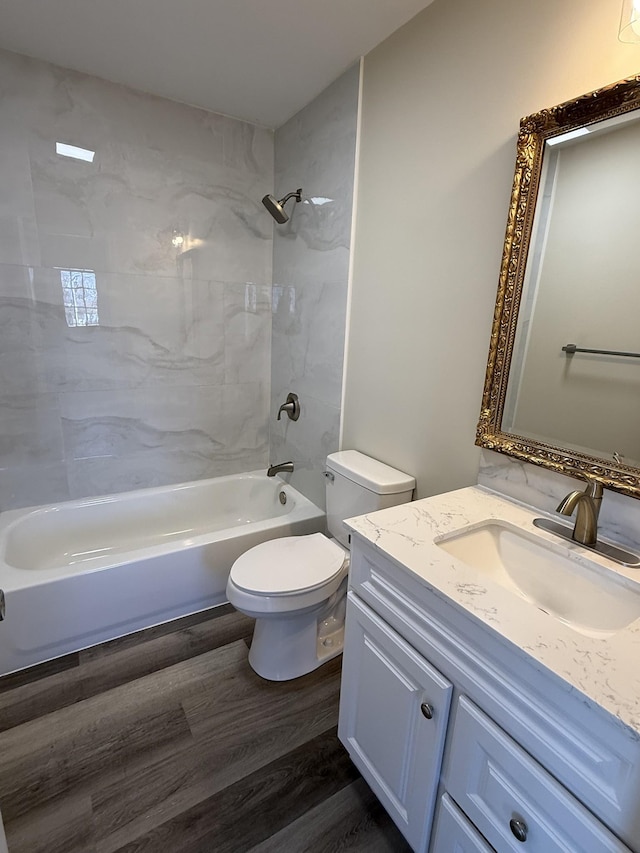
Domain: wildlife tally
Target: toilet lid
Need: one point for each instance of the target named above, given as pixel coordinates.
(288, 565)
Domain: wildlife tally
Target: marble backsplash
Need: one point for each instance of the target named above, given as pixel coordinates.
(314, 150)
(135, 290)
(619, 519)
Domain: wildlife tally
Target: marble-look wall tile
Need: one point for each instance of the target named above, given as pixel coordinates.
(298, 261)
(152, 331)
(245, 147)
(31, 319)
(163, 234)
(33, 485)
(619, 518)
(18, 230)
(247, 323)
(307, 448)
(148, 330)
(30, 431)
(308, 338)
(91, 477)
(130, 443)
(121, 423)
(314, 150)
(158, 167)
(119, 213)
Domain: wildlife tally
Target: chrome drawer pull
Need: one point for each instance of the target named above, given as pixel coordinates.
(519, 829)
(427, 711)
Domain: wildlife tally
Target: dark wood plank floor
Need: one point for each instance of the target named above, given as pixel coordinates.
(167, 742)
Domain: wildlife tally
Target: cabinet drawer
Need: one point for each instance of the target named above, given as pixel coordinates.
(454, 833)
(394, 709)
(506, 793)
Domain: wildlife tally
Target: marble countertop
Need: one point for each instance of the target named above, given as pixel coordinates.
(604, 666)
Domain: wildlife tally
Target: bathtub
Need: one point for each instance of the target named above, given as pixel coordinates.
(81, 572)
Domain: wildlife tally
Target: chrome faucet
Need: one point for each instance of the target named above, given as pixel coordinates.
(588, 507)
(272, 470)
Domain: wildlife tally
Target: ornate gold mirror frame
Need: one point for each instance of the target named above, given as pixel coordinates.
(605, 103)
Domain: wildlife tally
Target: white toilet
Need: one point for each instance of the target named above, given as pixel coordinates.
(296, 587)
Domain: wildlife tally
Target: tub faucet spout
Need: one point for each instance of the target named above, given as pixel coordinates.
(277, 469)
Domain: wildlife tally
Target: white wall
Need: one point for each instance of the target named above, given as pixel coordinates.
(441, 104)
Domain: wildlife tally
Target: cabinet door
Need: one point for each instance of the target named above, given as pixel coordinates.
(394, 708)
(454, 833)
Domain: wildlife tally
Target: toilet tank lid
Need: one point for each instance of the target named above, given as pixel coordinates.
(373, 475)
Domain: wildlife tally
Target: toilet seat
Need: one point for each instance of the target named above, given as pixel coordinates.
(288, 566)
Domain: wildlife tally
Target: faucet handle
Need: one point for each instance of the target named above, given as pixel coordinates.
(291, 407)
(593, 486)
(594, 489)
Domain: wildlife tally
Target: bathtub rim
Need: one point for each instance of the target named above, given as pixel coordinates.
(14, 578)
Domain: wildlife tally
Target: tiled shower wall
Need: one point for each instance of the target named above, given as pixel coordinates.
(314, 150)
(135, 290)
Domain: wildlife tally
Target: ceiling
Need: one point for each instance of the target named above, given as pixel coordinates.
(259, 60)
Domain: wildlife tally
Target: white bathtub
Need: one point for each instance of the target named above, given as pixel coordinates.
(81, 572)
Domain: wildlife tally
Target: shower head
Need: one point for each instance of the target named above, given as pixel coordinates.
(276, 208)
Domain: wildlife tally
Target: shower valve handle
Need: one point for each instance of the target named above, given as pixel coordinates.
(291, 407)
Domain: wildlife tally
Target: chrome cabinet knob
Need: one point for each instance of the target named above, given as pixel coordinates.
(519, 829)
(427, 711)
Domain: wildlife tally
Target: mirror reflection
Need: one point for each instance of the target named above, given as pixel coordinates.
(581, 293)
(562, 388)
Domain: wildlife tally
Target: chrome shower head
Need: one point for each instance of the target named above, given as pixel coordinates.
(276, 208)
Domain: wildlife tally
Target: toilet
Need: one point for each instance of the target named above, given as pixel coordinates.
(295, 587)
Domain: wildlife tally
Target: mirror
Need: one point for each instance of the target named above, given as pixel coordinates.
(562, 387)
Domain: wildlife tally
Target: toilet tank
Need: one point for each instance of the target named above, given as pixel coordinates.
(357, 484)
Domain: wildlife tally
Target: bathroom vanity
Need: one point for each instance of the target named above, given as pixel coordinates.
(491, 710)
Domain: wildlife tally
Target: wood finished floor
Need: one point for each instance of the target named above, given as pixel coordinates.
(167, 742)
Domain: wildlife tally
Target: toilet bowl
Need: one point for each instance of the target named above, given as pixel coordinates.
(295, 587)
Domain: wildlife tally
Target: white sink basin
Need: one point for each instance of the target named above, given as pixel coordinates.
(588, 598)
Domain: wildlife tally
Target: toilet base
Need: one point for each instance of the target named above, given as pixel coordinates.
(290, 646)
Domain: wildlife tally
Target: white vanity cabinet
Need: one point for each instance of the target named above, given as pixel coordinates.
(468, 744)
(454, 833)
(385, 680)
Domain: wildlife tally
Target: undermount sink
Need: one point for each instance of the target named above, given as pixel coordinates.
(588, 598)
